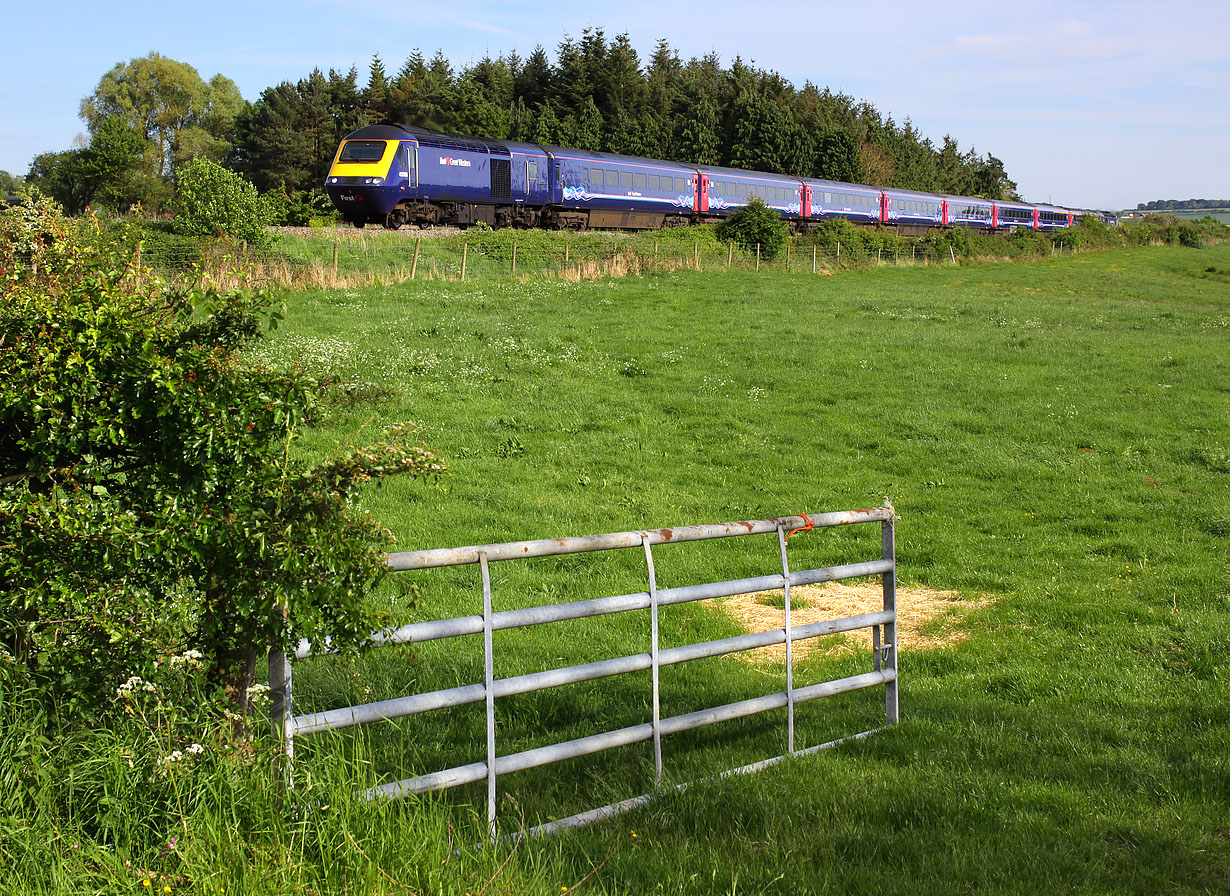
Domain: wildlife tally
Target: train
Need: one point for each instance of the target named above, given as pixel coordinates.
(394, 175)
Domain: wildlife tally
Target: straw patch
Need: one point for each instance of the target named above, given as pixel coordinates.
(926, 619)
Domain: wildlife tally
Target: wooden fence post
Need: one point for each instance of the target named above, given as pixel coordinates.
(414, 265)
(335, 261)
(514, 259)
(464, 251)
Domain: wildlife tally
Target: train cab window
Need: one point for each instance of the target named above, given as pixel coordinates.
(640, 181)
(362, 151)
(654, 182)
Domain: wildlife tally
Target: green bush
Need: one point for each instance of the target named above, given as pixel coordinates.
(299, 208)
(149, 502)
(211, 201)
(755, 225)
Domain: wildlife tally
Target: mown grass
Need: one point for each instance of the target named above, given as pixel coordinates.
(1055, 439)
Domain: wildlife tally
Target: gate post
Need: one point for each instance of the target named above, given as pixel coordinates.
(890, 628)
(281, 710)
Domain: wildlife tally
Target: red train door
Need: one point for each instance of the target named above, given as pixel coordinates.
(944, 213)
(805, 203)
(702, 192)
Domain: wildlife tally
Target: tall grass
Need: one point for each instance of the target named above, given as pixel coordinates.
(339, 258)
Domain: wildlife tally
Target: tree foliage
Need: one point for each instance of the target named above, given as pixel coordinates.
(212, 201)
(150, 498)
(180, 115)
(756, 228)
(598, 94)
(102, 173)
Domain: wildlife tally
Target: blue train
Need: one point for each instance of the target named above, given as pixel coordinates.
(393, 175)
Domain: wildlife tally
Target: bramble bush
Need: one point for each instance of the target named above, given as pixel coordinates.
(150, 499)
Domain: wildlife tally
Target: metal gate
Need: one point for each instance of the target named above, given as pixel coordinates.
(883, 671)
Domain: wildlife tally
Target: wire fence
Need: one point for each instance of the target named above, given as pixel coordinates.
(349, 262)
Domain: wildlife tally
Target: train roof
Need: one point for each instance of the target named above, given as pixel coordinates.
(835, 185)
(743, 172)
(441, 139)
(616, 158)
(953, 196)
(912, 194)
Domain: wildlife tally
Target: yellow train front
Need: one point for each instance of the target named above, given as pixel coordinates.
(373, 175)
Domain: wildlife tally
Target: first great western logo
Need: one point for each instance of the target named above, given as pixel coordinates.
(458, 163)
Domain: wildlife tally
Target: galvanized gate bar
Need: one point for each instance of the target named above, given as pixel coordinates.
(547, 547)
(418, 632)
(597, 743)
(398, 707)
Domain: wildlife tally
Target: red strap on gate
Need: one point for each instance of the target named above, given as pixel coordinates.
(806, 528)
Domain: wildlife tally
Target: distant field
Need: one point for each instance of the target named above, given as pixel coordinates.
(1222, 215)
(1054, 436)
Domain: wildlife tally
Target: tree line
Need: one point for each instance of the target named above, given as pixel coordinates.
(1167, 205)
(148, 116)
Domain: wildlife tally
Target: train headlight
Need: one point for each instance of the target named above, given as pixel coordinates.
(374, 181)
(333, 180)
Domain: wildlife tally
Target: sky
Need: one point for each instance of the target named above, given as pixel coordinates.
(1089, 103)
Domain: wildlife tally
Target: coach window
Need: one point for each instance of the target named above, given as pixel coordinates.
(625, 179)
(612, 178)
(641, 181)
(653, 181)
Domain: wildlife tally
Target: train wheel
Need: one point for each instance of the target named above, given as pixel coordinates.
(359, 224)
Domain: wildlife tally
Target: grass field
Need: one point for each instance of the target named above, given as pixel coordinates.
(1221, 214)
(1055, 437)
